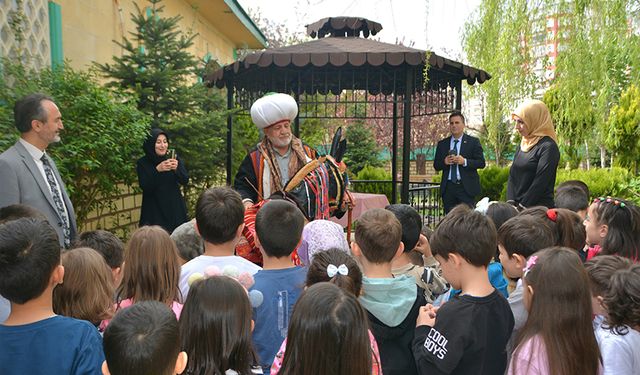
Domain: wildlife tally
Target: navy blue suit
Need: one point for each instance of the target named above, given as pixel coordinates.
(469, 184)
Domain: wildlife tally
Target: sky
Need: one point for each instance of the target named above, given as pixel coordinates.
(436, 27)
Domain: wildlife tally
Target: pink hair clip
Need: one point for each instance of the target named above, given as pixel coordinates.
(530, 263)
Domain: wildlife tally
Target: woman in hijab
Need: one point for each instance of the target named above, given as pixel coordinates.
(160, 176)
(533, 172)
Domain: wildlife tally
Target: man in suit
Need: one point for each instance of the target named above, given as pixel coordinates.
(28, 175)
(459, 157)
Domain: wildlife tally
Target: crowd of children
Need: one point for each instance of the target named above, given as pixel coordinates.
(491, 291)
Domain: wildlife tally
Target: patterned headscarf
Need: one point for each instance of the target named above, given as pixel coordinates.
(321, 235)
(537, 121)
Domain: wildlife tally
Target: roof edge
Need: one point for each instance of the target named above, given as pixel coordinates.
(239, 12)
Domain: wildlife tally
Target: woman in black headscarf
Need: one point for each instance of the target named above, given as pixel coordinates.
(160, 176)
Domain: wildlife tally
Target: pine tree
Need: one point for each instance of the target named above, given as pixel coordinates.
(156, 65)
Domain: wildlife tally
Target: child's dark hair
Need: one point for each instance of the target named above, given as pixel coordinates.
(623, 221)
(427, 232)
(219, 213)
(560, 312)
(575, 183)
(188, 241)
(467, 233)
(279, 227)
(29, 252)
(600, 270)
(18, 211)
(572, 198)
(524, 235)
(328, 334)
(142, 339)
(411, 224)
(151, 270)
(215, 326)
(567, 225)
(105, 243)
(378, 235)
(499, 212)
(317, 273)
(623, 299)
(87, 291)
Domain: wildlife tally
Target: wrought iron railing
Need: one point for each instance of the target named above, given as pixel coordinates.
(423, 196)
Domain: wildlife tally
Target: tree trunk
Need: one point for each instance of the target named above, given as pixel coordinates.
(586, 152)
(421, 164)
(603, 155)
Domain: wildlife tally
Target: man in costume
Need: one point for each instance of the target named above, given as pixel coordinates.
(277, 158)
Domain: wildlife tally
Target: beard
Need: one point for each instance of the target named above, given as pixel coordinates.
(281, 142)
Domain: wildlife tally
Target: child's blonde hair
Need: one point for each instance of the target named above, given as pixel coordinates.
(151, 269)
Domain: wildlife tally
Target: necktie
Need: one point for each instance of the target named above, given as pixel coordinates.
(57, 199)
(455, 178)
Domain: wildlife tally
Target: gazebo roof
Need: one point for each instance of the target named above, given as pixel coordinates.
(343, 50)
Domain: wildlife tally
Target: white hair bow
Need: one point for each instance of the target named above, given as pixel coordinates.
(333, 270)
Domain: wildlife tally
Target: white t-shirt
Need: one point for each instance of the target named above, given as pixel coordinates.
(620, 353)
(200, 263)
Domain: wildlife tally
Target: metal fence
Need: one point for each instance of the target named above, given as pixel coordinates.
(423, 196)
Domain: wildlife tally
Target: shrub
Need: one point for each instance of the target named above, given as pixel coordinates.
(373, 174)
(493, 180)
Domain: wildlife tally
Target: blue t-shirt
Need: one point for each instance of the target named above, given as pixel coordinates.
(496, 278)
(280, 289)
(57, 345)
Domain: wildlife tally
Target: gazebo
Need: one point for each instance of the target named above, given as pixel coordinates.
(343, 74)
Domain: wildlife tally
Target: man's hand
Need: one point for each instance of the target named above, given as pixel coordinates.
(458, 159)
(427, 316)
(449, 159)
(247, 204)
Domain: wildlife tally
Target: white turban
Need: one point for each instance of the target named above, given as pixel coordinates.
(273, 108)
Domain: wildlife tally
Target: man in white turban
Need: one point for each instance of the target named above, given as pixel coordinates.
(268, 167)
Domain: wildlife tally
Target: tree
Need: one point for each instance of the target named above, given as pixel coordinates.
(623, 129)
(165, 79)
(361, 147)
(498, 40)
(102, 133)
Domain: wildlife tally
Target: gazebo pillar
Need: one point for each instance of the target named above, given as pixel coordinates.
(406, 136)
(394, 151)
(229, 130)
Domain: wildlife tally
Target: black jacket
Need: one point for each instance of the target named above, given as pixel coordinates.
(162, 201)
(470, 149)
(394, 343)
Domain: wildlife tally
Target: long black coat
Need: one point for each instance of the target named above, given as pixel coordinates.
(162, 201)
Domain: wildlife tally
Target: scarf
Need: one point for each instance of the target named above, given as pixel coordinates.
(298, 160)
(537, 122)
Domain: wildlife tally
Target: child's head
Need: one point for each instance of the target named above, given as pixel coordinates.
(614, 224)
(575, 183)
(573, 198)
(622, 298)
(151, 268)
(567, 226)
(216, 325)
(558, 298)
(378, 236)
(520, 237)
(318, 236)
(600, 269)
(214, 204)
(143, 339)
(337, 267)
(278, 228)
(29, 259)
(411, 224)
(18, 211)
(467, 236)
(188, 241)
(108, 245)
(499, 212)
(328, 333)
(87, 291)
